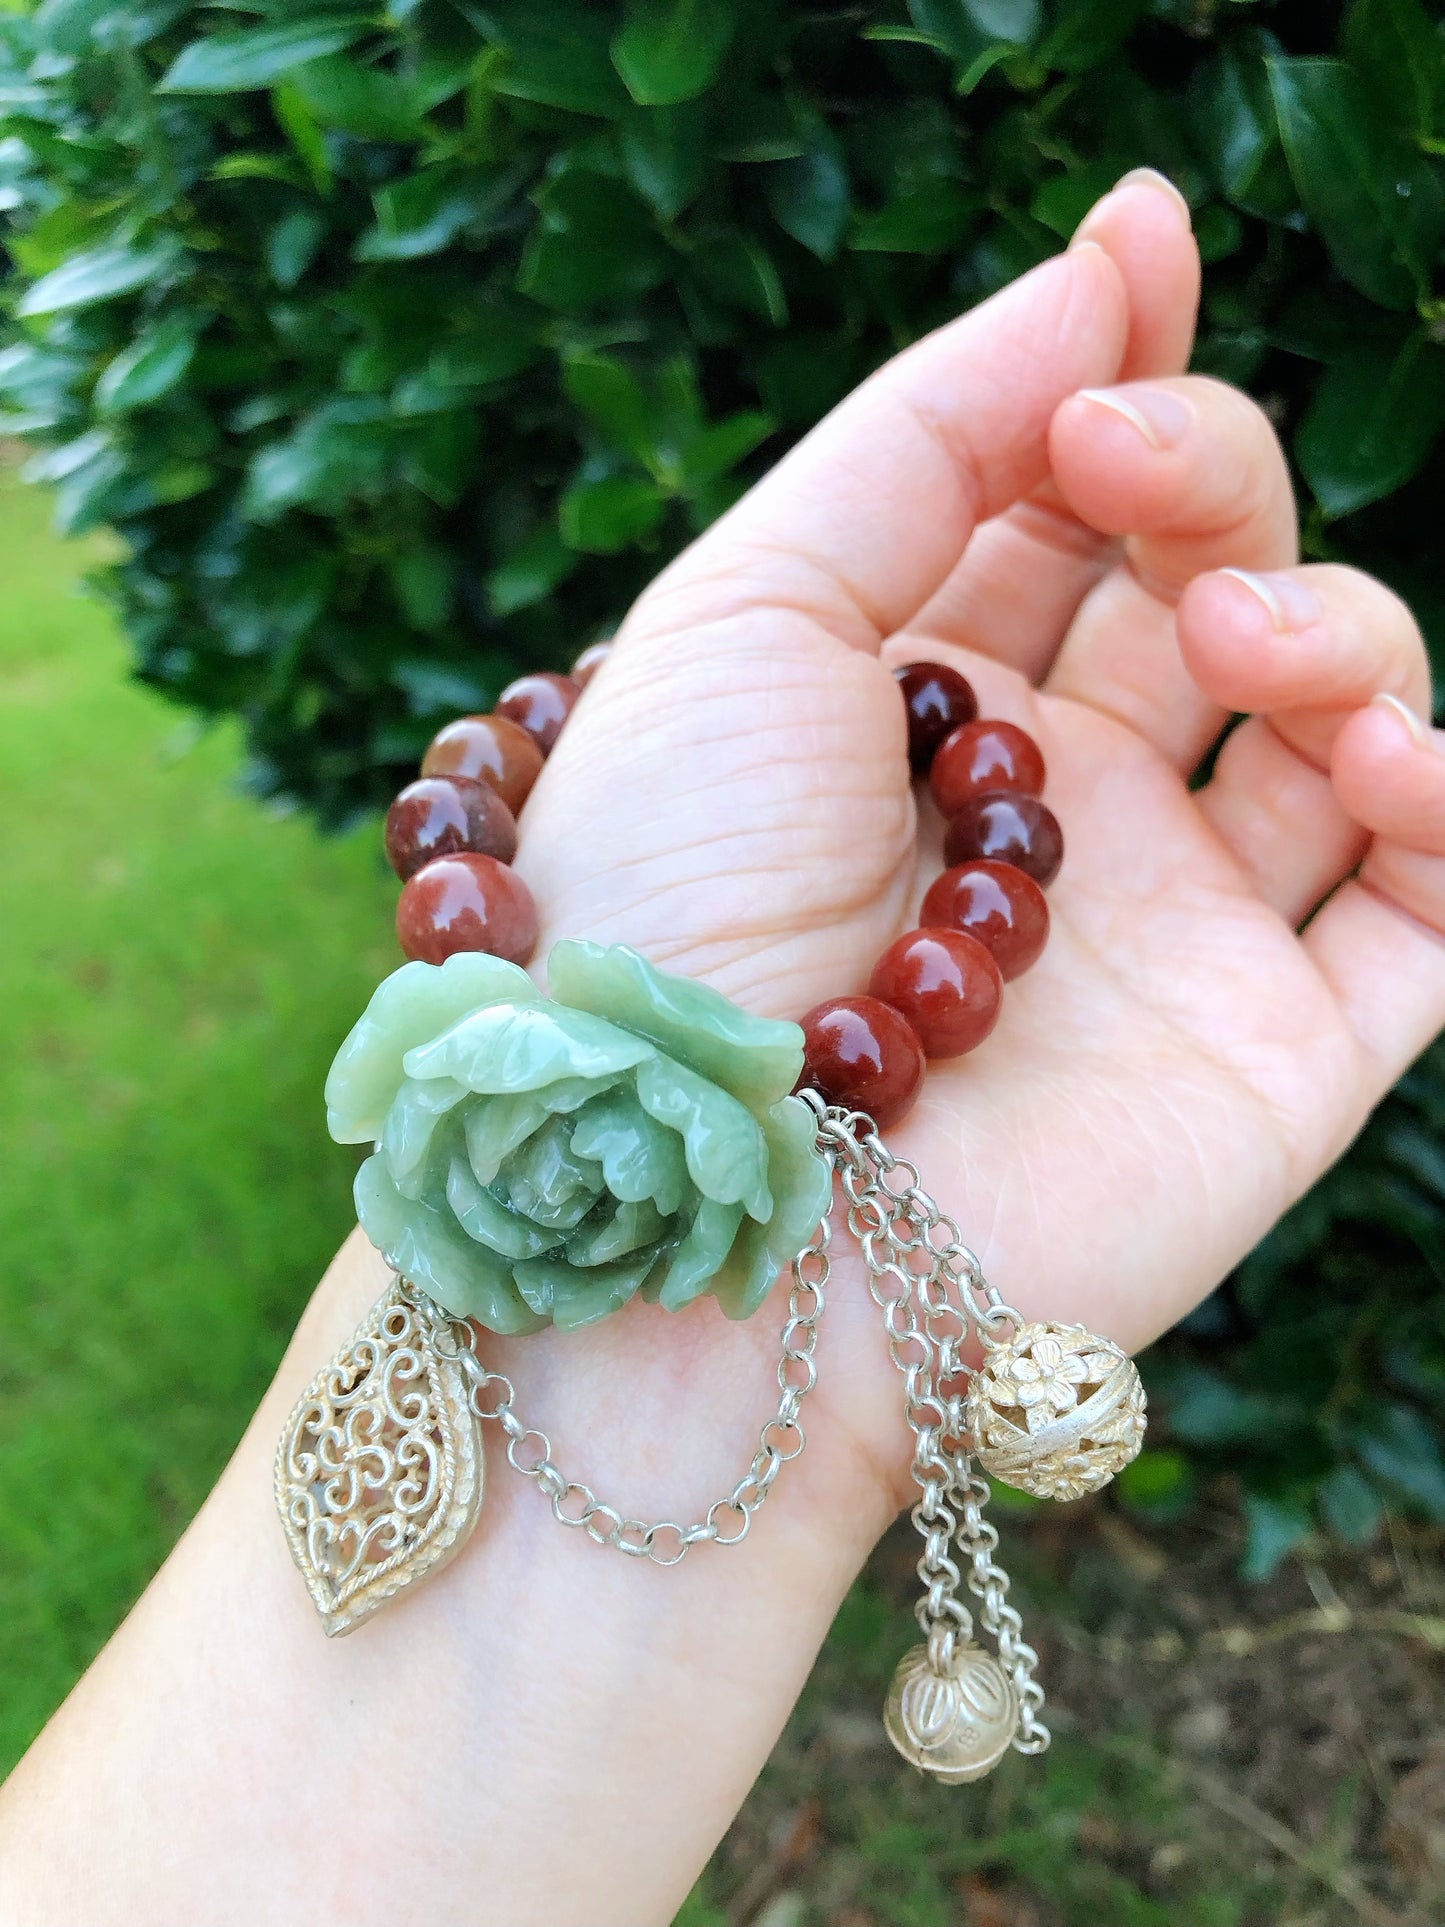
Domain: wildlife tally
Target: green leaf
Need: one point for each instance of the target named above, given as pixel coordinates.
(370, 103)
(1350, 1506)
(739, 271)
(530, 572)
(557, 54)
(594, 245)
(1379, 204)
(605, 517)
(1372, 423)
(1396, 48)
(611, 395)
(925, 220)
(809, 198)
(298, 123)
(1403, 1451)
(720, 448)
(1276, 1528)
(234, 63)
(293, 244)
(664, 152)
(670, 50)
(421, 214)
(1014, 20)
(150, 367)
(99, 274)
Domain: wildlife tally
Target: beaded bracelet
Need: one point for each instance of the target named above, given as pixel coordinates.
(546, 1158)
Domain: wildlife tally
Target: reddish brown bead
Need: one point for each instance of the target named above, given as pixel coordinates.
(492, 749)
(938, 700)
(439, 815)
(540, 704)
(947, 986)
(589, 662)
(864, 1055)
(998, 904)
(982, 757)
(1009, 828)
(466, 902)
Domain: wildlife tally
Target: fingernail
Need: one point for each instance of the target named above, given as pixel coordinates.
(1160, 416)
(1151, 177)
(1291, 604)
(1421, 736)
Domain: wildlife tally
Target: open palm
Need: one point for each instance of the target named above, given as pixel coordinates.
(732, 797)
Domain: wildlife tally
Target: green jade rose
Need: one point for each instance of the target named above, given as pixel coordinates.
(547, 1158)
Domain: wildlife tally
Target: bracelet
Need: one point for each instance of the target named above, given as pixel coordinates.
(544, 1159)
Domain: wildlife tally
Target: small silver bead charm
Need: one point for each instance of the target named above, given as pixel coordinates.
(955, 1719)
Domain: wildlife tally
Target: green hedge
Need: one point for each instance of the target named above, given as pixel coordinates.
(403, 350)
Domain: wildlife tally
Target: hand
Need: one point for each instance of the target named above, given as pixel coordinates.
(552, 1734)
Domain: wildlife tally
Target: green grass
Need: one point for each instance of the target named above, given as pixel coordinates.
(176, 967)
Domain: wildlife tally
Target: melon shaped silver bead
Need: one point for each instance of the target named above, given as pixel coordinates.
(954, 1721)
(1056, 1411)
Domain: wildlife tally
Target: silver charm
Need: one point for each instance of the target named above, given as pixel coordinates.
(379, 1469)
(953, 1717)
(1055, 1411)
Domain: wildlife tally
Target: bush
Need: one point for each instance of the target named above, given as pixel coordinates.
(401, 353)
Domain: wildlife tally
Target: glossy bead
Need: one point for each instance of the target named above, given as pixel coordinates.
(1009, 828)
(995, 902)
(466, 902)
(938, 700)
(439, 815)
(862, 1054)
(540, 704)
(589, 662)
(947, 986)
(982, 757)
(493, 749)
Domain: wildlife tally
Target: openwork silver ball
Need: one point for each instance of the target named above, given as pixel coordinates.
(1056, 1411)
(957, 1723)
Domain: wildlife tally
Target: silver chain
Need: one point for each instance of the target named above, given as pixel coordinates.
(931, 1289)
(727, 1520)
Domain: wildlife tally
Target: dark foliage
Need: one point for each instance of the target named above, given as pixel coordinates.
(402, 351)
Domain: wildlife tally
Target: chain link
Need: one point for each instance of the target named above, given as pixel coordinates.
(665, 1542)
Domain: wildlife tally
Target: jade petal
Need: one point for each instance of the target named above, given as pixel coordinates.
(572, 1298)
(544, 1180)
(523, 1047)
(756, 1059)
(410, 1128)
(407, 1008)
(724, 1144)
(427, 1246)
(749, 1274)
(629, 1228)
(701, 1254)
(640, 1158)
(804, 1186)
(496, 1128)
(488, 1221)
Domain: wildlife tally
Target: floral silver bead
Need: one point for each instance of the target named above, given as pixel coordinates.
(1056, 1411)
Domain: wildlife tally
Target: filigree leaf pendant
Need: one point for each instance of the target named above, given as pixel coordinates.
(379, 1470)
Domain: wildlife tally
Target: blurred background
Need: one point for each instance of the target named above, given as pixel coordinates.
(362, 361)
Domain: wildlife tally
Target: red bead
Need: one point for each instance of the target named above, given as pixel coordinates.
(492, 749)
(589, 662)
(862, 1054)
(439, 815)
(947, 986)
(466, 902)
(540, 704)
(1009, 828)
(937, 699)
(995, 902)
(982, 757)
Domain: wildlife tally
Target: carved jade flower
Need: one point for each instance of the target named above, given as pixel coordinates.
(546, 1158)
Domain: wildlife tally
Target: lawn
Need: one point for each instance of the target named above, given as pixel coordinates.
(178, 966)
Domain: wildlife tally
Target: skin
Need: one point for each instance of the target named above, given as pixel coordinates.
(547, 1733)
